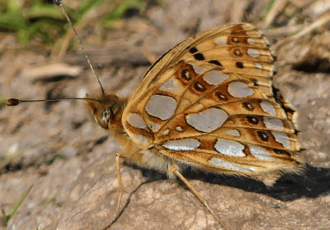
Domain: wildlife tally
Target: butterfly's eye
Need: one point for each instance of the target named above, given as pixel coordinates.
(104, 118)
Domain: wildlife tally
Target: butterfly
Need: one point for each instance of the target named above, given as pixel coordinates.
(208, 104)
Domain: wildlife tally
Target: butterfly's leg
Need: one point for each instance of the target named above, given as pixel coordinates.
(120, 184)
(193, 190)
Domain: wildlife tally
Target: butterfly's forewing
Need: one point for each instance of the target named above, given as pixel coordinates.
(209, 103)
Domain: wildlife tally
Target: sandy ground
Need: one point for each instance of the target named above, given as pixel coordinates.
(71, 161)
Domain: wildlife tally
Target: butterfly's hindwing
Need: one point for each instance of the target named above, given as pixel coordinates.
(209, 103)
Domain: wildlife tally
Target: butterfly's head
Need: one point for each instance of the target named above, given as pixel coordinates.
(106, 111)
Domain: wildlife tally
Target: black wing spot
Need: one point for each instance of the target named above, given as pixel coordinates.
(199, 87)
(252, 120)
(185, 74)
(215, 62)
(221, 96)
(248, 106)
(199, 57)
(193, 50)
(239, 65)
(282, 152)
(263, 136)
(254, 81)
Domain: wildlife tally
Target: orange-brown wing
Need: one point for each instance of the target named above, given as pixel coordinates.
(209, 103)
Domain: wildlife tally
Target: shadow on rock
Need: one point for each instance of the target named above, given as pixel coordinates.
(312, 183)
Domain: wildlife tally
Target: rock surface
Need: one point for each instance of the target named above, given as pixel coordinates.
(71, 161)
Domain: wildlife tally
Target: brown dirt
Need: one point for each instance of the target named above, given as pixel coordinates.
(71, 161)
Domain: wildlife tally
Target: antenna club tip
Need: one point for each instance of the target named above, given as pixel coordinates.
(13, 102)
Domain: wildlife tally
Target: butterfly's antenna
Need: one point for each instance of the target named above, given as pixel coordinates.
(59, 3)
(15, 101)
